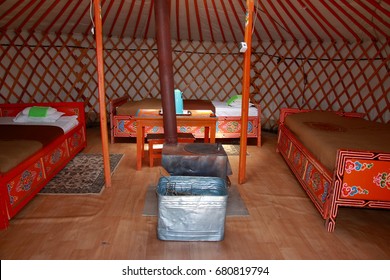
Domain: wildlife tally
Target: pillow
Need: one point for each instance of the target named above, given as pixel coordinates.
(20, 118)
(68, 118)
(50, 110)
(236, 101)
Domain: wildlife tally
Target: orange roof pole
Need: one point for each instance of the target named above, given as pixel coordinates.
(102, 93)
(245, 92)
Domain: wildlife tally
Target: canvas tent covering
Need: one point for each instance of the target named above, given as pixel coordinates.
(307, 54)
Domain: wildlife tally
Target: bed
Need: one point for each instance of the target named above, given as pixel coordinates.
(32, 151)
(123, 113)
(340, 159)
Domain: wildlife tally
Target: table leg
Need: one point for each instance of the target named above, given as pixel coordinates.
(140, 139)
(206, 134)
(213, 129)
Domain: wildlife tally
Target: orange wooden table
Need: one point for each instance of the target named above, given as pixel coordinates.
(206, 121)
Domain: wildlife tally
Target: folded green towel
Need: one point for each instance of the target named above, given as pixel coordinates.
(38, 112)
(231, 100)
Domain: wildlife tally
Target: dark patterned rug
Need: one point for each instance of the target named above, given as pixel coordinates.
(232, 150)
(84, 174)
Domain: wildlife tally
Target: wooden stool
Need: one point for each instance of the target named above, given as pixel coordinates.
(158, 138)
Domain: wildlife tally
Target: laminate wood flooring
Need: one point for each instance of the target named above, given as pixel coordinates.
(283, 223)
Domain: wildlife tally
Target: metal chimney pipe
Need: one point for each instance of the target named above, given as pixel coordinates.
(163, 35)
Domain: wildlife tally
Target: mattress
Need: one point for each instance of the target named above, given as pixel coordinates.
(219, 108)
(132, 108)
(224, 110)
(323, 133)
(13, 152)
(66, 123)
(18, 141)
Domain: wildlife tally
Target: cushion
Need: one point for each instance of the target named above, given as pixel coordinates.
(21, 117)
(50, 110)
(236, 101)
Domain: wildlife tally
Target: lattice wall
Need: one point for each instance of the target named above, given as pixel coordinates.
(342, 76)
(326, 76)
(47, 68)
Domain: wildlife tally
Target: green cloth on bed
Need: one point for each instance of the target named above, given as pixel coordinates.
(38, 112)
(235, 98)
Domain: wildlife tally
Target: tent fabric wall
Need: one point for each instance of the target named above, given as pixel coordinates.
(38, 67)
(327, 76)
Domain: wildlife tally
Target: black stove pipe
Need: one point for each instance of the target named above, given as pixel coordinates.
(163, 35)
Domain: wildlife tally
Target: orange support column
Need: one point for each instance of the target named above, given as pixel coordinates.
(102, 93)
(245, 92)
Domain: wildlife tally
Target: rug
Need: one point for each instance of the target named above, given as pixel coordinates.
(84, 174)
(235, 205)
(232, 150)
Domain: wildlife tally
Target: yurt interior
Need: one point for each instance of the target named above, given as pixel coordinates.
(256, 78)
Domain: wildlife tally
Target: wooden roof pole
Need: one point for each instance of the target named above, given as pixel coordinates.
(245, 92)
(102, 93)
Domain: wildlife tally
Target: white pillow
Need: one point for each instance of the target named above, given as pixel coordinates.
(68, 118)
(50, 111)
(20, 118)
(238, 104)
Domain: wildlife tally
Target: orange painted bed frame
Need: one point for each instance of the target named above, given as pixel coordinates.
(227, 127)
(361, 178)
(19, 185)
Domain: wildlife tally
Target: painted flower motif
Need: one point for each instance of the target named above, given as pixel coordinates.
(297, 158)
(38, 167)
(12, 199)
(121, 126)
(356, 166)
(382, 180)
(325, 193)
(345, 190)
(10, 186)
(26, 181)
(308, 171)
(232, 127)
(75, 141)
(56, 156)
(316, 181)
(349, 166)
(348, 191)
(250, 127)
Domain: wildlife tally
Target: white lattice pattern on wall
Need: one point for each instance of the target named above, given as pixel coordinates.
(327, 76)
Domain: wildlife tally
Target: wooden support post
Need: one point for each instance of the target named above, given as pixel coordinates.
(102, 93)
(245, 92)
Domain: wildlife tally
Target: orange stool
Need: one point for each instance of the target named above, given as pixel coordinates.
(158, 138)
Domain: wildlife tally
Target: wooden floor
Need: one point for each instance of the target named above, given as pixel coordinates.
(283, 223)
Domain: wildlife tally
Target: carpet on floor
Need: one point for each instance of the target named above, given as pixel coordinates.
(84, 174)
(232, 150)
